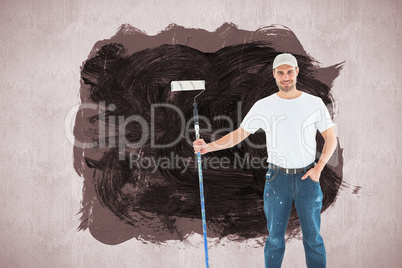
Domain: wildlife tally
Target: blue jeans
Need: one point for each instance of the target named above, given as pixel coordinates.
(281, 190)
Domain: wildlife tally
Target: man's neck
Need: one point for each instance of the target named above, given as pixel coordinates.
(294, 93)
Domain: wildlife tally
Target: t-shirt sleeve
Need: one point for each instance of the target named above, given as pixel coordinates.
(323, 121)
(254, 120)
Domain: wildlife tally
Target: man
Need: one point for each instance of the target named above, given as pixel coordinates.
(290, 119)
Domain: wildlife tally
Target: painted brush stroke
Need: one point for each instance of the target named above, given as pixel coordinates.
(152, 193)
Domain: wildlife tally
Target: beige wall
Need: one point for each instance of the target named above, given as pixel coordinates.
(42, 46)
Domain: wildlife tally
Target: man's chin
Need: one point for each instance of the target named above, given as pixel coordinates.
(285, 89)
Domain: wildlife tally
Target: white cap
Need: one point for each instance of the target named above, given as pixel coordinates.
(285, 58)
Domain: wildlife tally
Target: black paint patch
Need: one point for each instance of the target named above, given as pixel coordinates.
(356, 190)
(130, 73)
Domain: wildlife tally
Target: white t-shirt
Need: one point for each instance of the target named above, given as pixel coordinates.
(290, 126)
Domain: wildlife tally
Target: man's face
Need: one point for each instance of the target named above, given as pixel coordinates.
(285, 76)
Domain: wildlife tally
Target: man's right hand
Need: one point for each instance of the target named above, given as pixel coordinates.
(227, 141)
(200, 146)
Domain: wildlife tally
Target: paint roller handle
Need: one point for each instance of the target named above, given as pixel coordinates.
(196, 122)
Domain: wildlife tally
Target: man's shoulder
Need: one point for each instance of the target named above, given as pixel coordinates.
(311, 97)
(267, 99)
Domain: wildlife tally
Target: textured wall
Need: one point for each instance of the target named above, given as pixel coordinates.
(43, 44)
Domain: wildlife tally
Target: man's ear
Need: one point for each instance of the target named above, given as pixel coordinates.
(297, 71)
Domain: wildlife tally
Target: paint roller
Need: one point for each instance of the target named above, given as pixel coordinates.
(189, 86)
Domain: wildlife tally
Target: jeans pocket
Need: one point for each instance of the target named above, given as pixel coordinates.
(270, 176)
(313, 180)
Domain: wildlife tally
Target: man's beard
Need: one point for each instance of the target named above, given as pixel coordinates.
(287, 88)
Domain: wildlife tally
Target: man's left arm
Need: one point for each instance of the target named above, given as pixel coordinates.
(330, 144)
